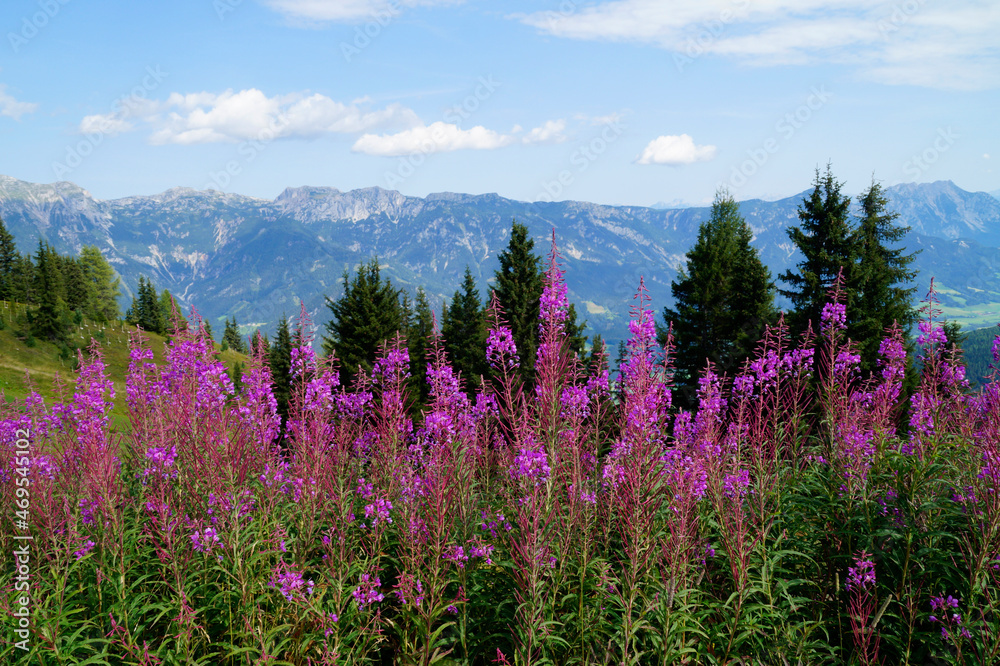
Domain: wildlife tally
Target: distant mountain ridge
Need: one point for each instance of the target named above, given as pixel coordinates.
(230, 254)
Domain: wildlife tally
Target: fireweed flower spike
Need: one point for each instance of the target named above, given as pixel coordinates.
(861, 587)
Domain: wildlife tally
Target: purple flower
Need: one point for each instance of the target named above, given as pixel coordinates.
(531, 463)
(205, 541)
(457, 555)
(929, 334)
(862, 575)
(743, 385)
(87, 546)
(290, 583)
(736, 485)
(574, 401)
(483, 552)
(367, 592)
(87, 507)
(500, 349)
(948, 619)
(160, 462)
(392, 365)
(846, 362)
(490, 523)
(380, 509)
(833, 318)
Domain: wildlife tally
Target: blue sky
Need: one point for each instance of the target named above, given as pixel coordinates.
(612, 101)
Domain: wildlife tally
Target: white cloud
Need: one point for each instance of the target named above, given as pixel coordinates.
(670, 149)
(441, 137)
(110, 124)
(348, 10)
(246, 115)
(550, 132)
(12, 108)
(911, 43)
(437, 137)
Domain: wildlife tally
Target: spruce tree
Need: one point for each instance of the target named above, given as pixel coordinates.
(8, 263)
(133, 315)
(260, 345)
(166, 306)
(519, 284)
(879, 277)
(22, 282)
(231, 337)
(826, 241)
(280, 362)
(76, 289)
(46, 320)
(419, 336)
(464, 331)
(574, 332)
(723, 299)
(367, 314)
(146, 310)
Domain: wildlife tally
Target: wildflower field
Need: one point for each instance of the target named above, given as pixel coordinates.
(785, 521)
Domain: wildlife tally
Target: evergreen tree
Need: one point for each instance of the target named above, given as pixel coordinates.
(169, 310)
(723, 299)
(22, 281)
(367, 314)
(46, 320)
(237, 376)
(132, 313)
(231, 337)
(574, 332)
(8, 263)
(104, 287)
(280, 361)
(464, 331)
(419, 336)
(878, 277)
(259, 344)
(156, 320)
(827, 243)
(74, 279)
(146, 310)
(518, 289)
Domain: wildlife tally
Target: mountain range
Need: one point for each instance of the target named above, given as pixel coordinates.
(234, 255)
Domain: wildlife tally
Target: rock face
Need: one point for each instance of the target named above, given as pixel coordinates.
(229, 254)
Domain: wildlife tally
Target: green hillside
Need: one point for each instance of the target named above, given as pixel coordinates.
(43, 366)
(978, 351)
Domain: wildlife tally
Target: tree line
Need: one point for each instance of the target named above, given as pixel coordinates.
(372, 310)
(63, 289)
(725, 297)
